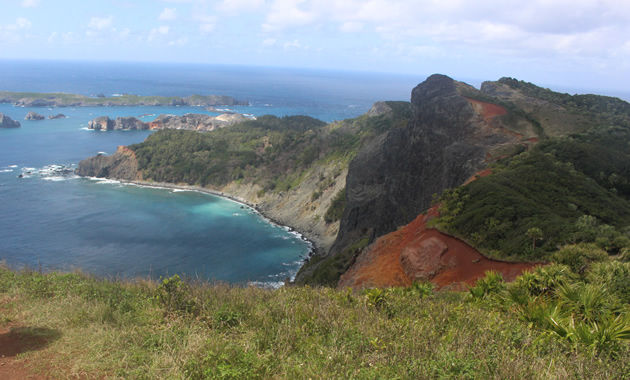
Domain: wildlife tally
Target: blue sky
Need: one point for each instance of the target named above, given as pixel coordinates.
(573, 44)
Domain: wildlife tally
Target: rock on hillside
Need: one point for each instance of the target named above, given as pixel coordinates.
(7, 122)
(394, 178)
(120, 165)
(34, 116)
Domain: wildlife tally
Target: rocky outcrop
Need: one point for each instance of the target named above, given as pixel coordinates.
(417, 253)
(57, 116)
(190, 121)
(379, 108)
(394, 178)
(7, 122)
(197, 122)
(104, 123)
(33, 116)
(120, 165)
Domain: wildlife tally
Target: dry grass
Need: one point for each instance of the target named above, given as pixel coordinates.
(125, 330)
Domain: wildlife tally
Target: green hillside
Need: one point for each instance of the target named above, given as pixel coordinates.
(83, 327)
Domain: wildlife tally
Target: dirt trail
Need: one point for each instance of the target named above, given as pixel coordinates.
(15, 340)
(416, 252)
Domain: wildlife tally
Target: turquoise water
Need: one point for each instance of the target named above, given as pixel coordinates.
(64, 222)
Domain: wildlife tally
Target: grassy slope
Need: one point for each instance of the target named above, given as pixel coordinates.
(135, 330)
(550, 188)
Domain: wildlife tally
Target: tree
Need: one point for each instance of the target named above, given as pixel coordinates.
(535, 234)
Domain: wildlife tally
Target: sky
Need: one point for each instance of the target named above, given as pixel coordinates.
(572, 44)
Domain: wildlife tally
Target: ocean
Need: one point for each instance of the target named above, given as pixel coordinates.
(51, 221)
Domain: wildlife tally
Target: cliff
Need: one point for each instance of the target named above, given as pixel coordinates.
(121, 165)
(7, 122)
(394, 178)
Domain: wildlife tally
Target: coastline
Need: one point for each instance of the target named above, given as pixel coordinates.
(303, 235)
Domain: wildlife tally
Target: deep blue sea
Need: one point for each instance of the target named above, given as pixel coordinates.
(59, 222)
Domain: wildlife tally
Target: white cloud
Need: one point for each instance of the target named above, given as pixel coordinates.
(351, 26)
(295, 44)
(286, 14)
(269, 42)
(168, 14)
(100, 23)
(239, 5)
(178, 42)
(154, 33)
(20, 23)
(206, 23)
(30, 3)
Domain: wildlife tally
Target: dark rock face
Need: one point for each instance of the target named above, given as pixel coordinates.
(34, 116)
(7, 122)
(121, 123)
(57, 116)
(393, 179)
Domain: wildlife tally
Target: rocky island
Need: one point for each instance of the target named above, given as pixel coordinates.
(33, 99)
(33, 116)
(195, 122)
(7, 122)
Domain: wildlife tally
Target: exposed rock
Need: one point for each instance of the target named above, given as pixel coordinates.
(417, 253)
(57, 116)
(421, 261)
(121, 165)
(121, 123)
(34, 116)
(379, 108)
(7, 122)
(394, 178)
(198, 122)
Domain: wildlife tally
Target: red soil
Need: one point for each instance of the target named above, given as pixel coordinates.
(416, 252)
(479, 174)
(12, 343)
(487, 110)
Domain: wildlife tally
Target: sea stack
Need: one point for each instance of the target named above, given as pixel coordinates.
(7, 122)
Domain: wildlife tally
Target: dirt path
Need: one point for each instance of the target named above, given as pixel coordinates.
(16, 340)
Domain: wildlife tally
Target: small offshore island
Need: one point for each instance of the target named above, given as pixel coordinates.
(34, 99)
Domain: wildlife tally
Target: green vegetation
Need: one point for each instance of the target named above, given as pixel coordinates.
(564, 191)
(335, 211)
(275, 153)
(605, 109)
(328, 273)
(586, 311)
(172, 330)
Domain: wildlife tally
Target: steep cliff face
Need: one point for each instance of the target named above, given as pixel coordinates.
(394, 178)
(120, 165)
